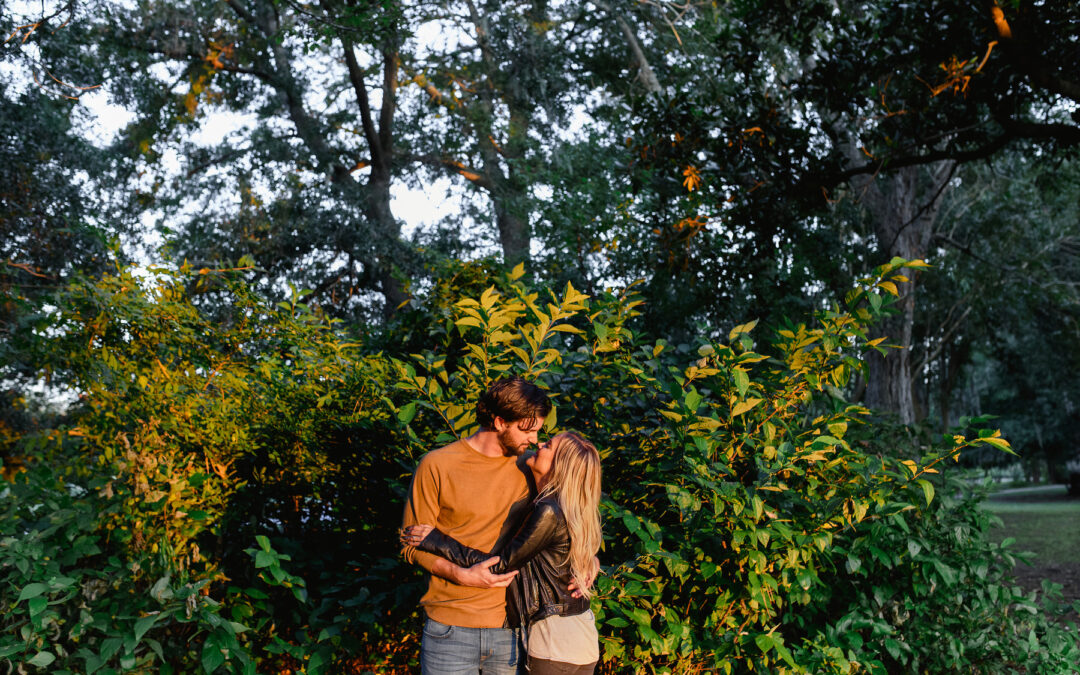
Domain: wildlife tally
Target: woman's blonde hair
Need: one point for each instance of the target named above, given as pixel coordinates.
(574, 480)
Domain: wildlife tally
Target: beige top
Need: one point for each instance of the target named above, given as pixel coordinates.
(567, 639)
(466, 495)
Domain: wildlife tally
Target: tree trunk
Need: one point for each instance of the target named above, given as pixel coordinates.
(903, 207)
(374, 197)
(509, 194)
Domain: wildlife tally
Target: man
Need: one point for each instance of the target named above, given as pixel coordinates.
(475, 490)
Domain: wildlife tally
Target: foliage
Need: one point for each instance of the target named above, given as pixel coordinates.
(922, 588)
(225, 493)
(194, 437)
(1018, 322)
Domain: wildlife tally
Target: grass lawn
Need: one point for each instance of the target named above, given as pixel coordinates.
(1043, 520)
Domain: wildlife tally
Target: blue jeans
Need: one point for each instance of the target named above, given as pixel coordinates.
(454, 650)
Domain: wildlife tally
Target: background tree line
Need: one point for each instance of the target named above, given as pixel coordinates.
(713, 152)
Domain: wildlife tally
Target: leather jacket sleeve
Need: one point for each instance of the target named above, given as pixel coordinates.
(538, 531)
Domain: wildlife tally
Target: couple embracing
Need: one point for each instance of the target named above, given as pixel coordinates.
(510, 541)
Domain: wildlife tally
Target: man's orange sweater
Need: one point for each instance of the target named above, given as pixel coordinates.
(466, 495)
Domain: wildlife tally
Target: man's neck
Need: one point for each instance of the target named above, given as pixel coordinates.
(486, 443)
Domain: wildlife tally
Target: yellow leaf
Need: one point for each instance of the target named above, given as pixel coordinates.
(469, 321)
(744, 406)
(890, 287)
(692, 178)
(567, 328)
(571, 296)
(489, 298)
(911, 466)
(517, 272)
(742, 328)
(999, 443)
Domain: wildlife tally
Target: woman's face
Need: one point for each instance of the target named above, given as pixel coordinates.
(540, 463)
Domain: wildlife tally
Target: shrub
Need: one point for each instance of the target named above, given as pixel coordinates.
(225, 493)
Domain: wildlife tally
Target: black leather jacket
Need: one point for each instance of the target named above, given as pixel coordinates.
(541, 550)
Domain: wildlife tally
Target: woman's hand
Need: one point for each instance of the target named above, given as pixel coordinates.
(414, 534)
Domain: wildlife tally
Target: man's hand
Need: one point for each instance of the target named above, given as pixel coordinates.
(481, 576)
(573, 587)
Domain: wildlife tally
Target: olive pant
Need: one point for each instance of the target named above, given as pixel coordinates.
(545, 667)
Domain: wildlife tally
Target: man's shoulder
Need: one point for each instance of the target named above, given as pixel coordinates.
(447, 453)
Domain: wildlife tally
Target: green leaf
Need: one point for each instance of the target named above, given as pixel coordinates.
(212, 656)
(742, 381)
(37, 606)
(765, 643)
(265, 559)
(892, 646)
(32, 591)
(42, 659)
(928, 490)
(407, 412)
(144, 624)
(263, 542)
(315, 664)
(692, 400)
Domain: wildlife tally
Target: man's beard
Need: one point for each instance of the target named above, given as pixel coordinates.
(504, 443)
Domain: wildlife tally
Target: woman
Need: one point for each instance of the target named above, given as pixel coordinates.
(554, 548)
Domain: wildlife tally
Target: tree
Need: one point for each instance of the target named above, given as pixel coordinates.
(999, 316)
(312, 176)
(809, 111)
(59, 216)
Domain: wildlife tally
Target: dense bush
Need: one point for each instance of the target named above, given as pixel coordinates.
(224, 494)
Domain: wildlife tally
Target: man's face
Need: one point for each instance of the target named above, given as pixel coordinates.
(513, 438)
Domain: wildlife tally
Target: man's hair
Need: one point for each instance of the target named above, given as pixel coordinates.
(511, 398)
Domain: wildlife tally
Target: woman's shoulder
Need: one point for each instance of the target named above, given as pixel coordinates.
(548, 505)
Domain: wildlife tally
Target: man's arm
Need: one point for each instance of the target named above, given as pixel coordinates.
(422, 507)
(479, 575)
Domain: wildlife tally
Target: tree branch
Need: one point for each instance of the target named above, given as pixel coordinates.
(1029, 60)
(356, 77)
(1066, 134)
(645, 71)
(476, 177)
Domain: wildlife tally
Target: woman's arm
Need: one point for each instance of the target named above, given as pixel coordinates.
(534, 536)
